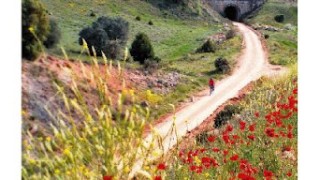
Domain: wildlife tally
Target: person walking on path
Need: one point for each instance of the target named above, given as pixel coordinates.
(211, 85)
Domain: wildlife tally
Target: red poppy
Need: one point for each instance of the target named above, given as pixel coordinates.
(267, 174)
(270, 132)
(211, 138)
(242, 125)
(157, 178)
(229, 128)
(161, 166)
(215, 149)
(257, 114)
(107, 177)
(206, 161)
(251, 136)
(252, 127)
(289, 174)
(225, 152)
(244, 176)
(234, 157)
(295, 91)
(290, 135)
(214, 163)
(225, 138)
(287, 148)
(193, 168)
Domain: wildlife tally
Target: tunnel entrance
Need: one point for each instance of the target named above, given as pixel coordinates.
(231, 12)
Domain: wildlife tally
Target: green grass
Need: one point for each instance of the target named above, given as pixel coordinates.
(271, 9)
(170, 36)
(282, 45)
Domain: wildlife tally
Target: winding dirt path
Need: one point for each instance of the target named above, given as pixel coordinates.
(252, 64)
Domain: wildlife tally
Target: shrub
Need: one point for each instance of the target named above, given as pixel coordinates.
(202, 138)
(150, 23)
(152, 64)
(266, 36)
(222, 65)
(208, 46)
(230, 34)
(279, 18)
(141, 48)
(138, 18)
(35, 28)
(107, 35)
(54, 36)
(225, 115)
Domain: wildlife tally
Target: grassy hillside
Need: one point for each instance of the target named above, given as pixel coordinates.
(282, 43)
(171, 35)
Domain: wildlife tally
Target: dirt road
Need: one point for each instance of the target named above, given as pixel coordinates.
(250, 66)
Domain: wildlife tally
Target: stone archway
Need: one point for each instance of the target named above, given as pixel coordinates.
(232, 12)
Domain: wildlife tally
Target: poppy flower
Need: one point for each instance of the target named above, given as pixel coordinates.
(206, 162)
(225, 152)
(252, 127)
(267, 174)
(242, 125)
(215, 149)
(290, 135)
(229, 128)
(211, 138)
(107, 177)
(257, 114)
(251, 136)
(270, 132)
(289, 174)
(161, 166)
(157, 178)
(225, 138)
(234, 157)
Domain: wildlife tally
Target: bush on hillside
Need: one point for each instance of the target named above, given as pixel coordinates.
(138, 18)
(230, 34)
(54, 36)
(279, 18)
(35, 28)
(141, 48)
(208, 46)
(107, 35)
(152, 64)
(150, 23)
(222, 65)
(225, 115)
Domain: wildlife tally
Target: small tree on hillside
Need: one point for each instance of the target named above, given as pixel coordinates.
(35, 28)
(141, 48)
(107, 35)
(208, 46)
(222, 65)
(54, 36)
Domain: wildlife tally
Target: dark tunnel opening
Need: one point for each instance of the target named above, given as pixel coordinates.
(231, 13)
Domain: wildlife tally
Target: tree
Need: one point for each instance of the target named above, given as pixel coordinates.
(141, 48)
(35, 28)
(107, 35)
(222, 65)
(54, 35)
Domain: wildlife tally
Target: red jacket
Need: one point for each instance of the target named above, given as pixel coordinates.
(211, 82)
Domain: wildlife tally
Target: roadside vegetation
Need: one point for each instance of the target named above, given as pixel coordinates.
(257, 141)
(281, 37)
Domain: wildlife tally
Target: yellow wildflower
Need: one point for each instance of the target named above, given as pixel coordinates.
(48, 139)
(95, 129)
(31, 29)
(126, 169)
(56, 171)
